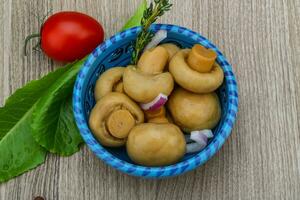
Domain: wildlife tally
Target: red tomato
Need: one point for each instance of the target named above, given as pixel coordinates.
(68, 36)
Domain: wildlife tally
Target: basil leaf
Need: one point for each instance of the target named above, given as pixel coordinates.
(18, 150)
(53, 123)
(135, 20)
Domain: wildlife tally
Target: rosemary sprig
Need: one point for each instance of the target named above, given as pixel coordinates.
(150, 15)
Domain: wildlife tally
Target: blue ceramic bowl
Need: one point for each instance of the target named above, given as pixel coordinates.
(116, 51)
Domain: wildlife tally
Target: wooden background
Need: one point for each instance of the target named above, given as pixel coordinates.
(260, 160)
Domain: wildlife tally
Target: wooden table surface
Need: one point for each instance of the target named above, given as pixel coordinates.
(261, 158)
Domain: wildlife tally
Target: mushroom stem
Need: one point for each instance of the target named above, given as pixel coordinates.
(118, 87)
(156, 116)
(109, 81)
(153, 61)
(201, 59)
(119, 123)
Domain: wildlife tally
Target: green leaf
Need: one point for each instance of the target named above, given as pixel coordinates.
(24, 98)
(53, 123)
(18, 150)
(135, 20)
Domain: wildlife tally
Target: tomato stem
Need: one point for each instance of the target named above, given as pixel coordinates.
(47, 15)
(37, 47)
(28, 38)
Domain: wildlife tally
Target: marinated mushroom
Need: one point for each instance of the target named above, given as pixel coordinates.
(112, 118)
(109, 81)
(191, 111)
(153, 144)
(196, 70)
(147, 80)
(143, 87)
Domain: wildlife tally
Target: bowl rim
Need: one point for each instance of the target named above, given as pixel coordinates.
(182, 166)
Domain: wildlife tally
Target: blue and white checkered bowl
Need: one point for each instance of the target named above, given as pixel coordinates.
(116, 51)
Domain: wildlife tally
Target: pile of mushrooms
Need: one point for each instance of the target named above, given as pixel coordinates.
(149, 107)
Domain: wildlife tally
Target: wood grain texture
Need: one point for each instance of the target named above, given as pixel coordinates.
(260, 160)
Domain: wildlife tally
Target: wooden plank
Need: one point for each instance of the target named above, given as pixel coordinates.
(5, 43)
(260, 160)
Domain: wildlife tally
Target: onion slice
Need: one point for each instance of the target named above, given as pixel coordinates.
(156, 103)
(194, 147)
(200, 138)
(158, 37)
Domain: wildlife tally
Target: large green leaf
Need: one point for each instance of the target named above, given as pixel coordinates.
(53, 123)
(24, 98)
(18, 150)
(135, 20)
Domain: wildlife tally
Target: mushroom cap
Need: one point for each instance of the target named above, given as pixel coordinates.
(109, 81)
(143, 87)
(112, 118)
(192, 80)
(191, 111)
(153, 61)
(152, 144)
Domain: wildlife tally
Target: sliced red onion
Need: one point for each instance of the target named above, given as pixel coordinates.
(158, 37)
(155, 104)
(200, 138)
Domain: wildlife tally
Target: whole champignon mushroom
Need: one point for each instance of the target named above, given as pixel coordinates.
(203, 76)
(146, 81)
(109, 81)
(152, 144)
(191, 111)
(112, 118)
(143, 87)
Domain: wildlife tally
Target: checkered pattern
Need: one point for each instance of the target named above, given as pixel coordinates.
(228, 97)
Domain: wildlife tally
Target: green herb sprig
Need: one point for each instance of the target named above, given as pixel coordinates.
(150, 15)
